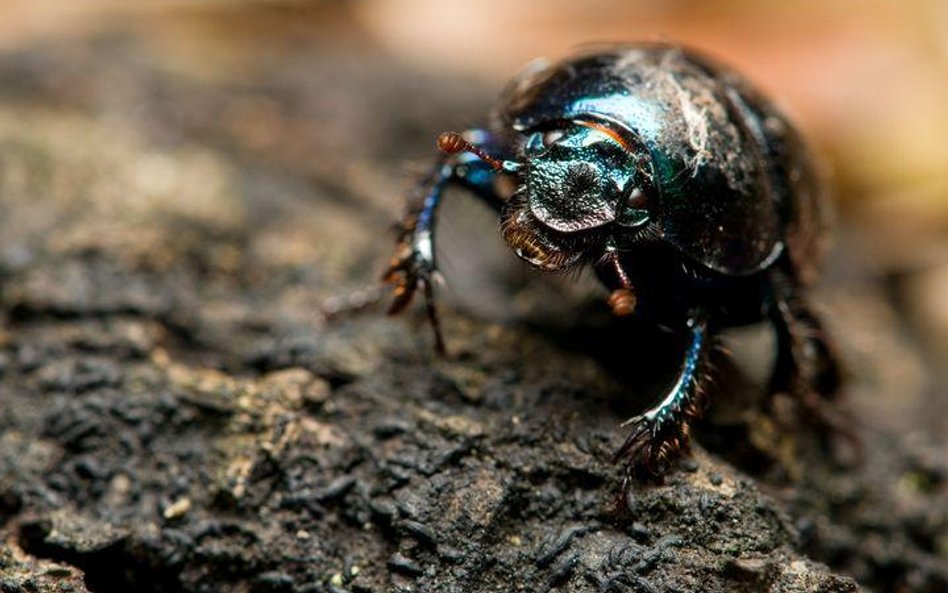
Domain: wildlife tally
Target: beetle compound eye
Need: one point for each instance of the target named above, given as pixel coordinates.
(634, 212)
(552, 137)
(539, 142)
(636, 199)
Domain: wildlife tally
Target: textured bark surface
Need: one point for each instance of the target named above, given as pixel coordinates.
(176, 416)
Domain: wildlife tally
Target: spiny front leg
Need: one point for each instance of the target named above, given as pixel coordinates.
(413, 265)
(660, 434)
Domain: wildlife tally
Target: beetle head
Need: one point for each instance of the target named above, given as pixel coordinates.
(580, 178)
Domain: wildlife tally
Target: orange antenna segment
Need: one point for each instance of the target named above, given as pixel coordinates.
(453, 143)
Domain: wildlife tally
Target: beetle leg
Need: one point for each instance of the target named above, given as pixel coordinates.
(805, 357)
(413, 265)
(663, 431)
(622, 300)
(807, 366)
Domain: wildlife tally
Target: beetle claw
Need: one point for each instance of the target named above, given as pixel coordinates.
(404, 278)
(635, 441)
(651, 446)
(404, 292)
(407, 272)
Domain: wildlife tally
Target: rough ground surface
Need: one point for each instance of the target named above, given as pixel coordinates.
(176, 416)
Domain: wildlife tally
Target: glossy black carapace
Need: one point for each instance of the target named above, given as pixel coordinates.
(689, 194)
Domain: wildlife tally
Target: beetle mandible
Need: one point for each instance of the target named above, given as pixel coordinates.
(692, 198)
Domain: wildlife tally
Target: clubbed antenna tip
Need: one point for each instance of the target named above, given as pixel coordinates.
(454, 143)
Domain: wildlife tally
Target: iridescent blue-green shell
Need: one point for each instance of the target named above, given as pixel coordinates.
(734, 186)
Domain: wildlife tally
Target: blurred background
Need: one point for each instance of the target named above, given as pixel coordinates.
(868, 79)
(178, 106)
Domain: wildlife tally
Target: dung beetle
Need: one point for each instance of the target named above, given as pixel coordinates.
(691, 197)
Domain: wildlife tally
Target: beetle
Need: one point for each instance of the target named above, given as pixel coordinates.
(690, 195)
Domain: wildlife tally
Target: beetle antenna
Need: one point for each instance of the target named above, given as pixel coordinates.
(454, 143)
